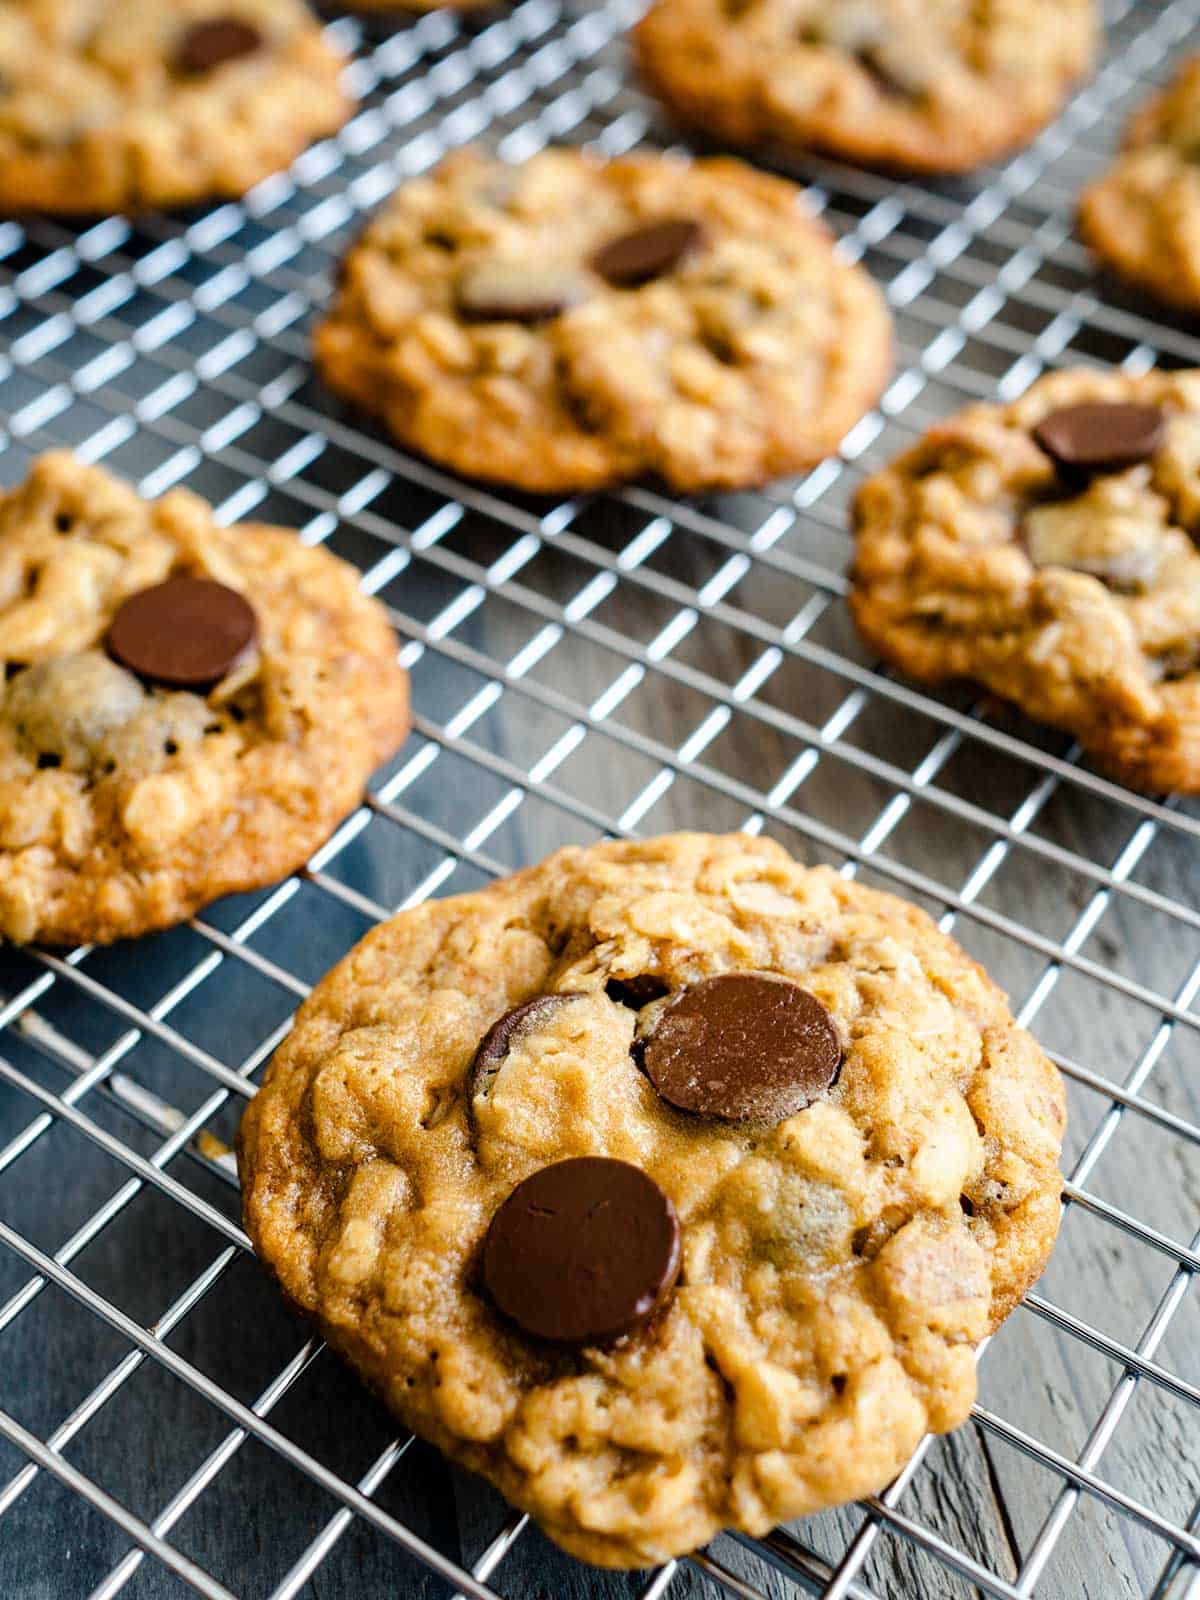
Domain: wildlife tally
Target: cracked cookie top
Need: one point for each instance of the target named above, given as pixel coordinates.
(1143, 215)
(125, 801)
(569, 323)
(923, 85)
(117, 105)
(841, 1255)
(1070, 587)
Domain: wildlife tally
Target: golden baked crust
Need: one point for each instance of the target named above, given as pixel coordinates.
(124, 809)
(944, 585)
(920, 85)
(750, 360)
(1143, 215)
(839, 1268)
(94, 116)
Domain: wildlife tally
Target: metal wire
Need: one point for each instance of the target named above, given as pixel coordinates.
(176, 350)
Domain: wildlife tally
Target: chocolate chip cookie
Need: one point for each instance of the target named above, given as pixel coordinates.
(1047, 550)
(910, 84)
(186, 710)
(570, 323)
(118, 105)
(1143, 216)
(669, 1185)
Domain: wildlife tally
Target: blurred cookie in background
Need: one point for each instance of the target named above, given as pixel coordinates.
(1142, 217)
(125, 105)
(571, 323)
(934, 88)
(1047, 550)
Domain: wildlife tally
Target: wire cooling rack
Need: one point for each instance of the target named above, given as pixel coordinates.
(609, 664)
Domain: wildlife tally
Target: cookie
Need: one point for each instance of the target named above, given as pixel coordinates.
(569, 323)
(120, 105)
(1046, 550)
(669, 1185)
(905, 84)
(186, 710)
(1143, 216)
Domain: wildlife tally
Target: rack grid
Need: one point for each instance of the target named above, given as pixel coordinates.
(607, 664)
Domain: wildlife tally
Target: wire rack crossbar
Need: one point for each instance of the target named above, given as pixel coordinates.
(712, 672)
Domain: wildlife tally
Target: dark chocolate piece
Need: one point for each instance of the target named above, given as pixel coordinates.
(185, 633)
(582, 1251)
(743, 1047)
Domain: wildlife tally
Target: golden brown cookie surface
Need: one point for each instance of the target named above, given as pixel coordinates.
(1071, 588)
(475, 317)
(127, 801)
(1143, 215)
(839, 1263)
(118, 105)
(921, 85)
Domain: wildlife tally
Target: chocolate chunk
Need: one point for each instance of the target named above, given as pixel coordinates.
(210, 44)
(186, 633)
(503, 1034)
(518, 291)
(648, 252)
(1119, 549)
(1099, 437)
(582, 1251)
(636, 992)
(744, 1047)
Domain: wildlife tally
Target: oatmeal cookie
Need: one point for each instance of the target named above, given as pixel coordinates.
(119, 105)
(186, 710)
(1143, 216)
(669, 1185)
(570, 323)
(1046, 550)
(920, 85)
